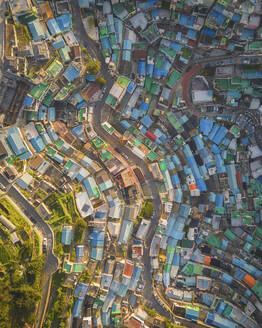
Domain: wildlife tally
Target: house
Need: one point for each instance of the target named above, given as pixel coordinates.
(202, 96)
(126, 230)
(3, 152)
(84, 204)
(15, 142)
(19, 7)
(41, 51)
(36, 30)
(45, 11)
(7, 223)
(71, 73)
(35, 162)
(128, 269)
(80, 251)
(25, 181)
(64, 22)
(10, 172)
(53, 26)
(143, 229)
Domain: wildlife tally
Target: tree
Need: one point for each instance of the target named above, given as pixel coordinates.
(151, 312)
(79, 230)
(93, 67)
(24, 302)
(101, 81)
(86, 277)
(169, 324)
(34, 270)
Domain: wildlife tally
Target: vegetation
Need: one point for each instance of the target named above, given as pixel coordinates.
(26, 193)
(79, 230)
(70, 205)
(93, 67)
(42, 194)
(151, 312)
(147, 209)
(169, 324)
(78, 188)
(60, 309)
(100, 81)
(19, 164)
(19, 284)
(58, 247)
(63, 208)
(86, 277)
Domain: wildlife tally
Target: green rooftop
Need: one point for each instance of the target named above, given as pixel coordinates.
(173, 79)
(123, 81)
(105, 155)
(59, 143)
(99, 143)
(39, 91)
(152, 156)
(78, 267)
(230, 235)
(174, 122)
(213, 241)
(54, 68)
(81, 114)
(109, 129)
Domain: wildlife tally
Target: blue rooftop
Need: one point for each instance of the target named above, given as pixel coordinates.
(53, 26)
(71, 73)
(64, 22)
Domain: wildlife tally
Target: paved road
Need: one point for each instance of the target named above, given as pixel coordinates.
(2, 28)
(51, 261)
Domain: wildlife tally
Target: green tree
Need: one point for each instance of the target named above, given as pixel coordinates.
(79, 230)
(86, 277)
(25, 299)
(34, 269)
(93, 67)
(151, 312)
(100, 81)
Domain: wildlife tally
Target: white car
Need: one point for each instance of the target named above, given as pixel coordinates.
(44, 244)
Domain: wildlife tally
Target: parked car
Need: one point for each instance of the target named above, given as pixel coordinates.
(44, 245)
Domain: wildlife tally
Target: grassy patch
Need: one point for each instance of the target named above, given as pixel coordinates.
(4, 255)
(147, 209)
(19, 164)
(41, 193)
(58, 248)
(20, 283)
(63, 207)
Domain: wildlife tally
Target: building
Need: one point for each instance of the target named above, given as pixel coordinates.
(202, 96)
(36, 30)
(66, 236)
(84, 204)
